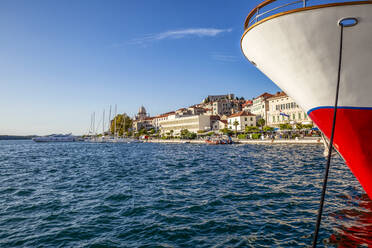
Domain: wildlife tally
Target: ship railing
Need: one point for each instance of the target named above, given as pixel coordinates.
(259, 12)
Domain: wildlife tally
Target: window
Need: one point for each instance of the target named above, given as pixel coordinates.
(299, 116)
(273, 118)
(251, 118)
(294, 116)
(245, 118)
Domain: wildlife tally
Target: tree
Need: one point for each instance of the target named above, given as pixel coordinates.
(210, 133)
(252, 129)
(236, 124)
(285, 126)
(268, 129)
(261, 122)
(142, 131)
(123, 124)
(192, 135)
(184, 133)
(308, 126)
(226, 131)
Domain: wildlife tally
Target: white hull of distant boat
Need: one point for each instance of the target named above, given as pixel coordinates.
(299, 49)
(56, 138)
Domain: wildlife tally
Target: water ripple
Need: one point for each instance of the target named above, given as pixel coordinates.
(168, 195)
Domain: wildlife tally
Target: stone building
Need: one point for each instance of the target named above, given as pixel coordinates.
(283, 109)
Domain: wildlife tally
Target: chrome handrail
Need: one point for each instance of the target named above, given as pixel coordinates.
(254, 15)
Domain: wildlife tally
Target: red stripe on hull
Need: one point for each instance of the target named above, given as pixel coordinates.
(353, 139)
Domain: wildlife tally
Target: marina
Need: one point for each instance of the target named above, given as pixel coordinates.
(193, 140)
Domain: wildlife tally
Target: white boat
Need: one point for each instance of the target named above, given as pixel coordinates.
(299, 45)
(56, 138)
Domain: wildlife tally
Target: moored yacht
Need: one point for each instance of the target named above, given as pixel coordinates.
(56, 138)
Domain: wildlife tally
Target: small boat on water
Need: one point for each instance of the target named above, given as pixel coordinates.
(320, 55)
(56, 138)
(219, 140)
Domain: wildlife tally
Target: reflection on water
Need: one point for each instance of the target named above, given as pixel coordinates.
(354, 224)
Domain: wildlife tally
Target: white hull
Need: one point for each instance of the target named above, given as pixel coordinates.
(299, 52)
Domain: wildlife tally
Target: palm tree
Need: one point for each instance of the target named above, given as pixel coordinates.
(236, 124)
(261, 123)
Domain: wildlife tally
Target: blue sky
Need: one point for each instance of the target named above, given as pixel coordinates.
(62, 60)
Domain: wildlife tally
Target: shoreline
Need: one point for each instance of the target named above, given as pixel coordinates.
(279, 141)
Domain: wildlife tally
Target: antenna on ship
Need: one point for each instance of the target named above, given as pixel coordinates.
(345, 22)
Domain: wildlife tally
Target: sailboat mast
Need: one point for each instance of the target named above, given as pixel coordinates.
(103, 123)
(109, 123)
(115, 121)
(94, 123)
(123, 124)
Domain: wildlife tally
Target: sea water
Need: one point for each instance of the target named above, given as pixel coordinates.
(175, 195)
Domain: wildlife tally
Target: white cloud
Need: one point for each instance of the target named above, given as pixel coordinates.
(181, 33)
(224, 57)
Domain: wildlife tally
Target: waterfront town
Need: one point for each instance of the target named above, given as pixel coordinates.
(218, 114)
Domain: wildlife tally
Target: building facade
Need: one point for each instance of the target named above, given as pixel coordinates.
(244, 120)
(260, 106)
(283, 109)
(222, 107)
(157, 119)
(142, 120)
(175, 123)
(214, 98)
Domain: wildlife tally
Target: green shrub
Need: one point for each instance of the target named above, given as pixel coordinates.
(226, 131)
(250, 129)
(268, 129)
(192, 136)
(242, 136)
(256, 135)
(210, 133)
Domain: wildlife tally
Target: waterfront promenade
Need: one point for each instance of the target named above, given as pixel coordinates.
(238, 141)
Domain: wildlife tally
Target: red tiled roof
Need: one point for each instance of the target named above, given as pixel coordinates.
(214, 117)
(165, 114)
(279, 94)
(224, 121)
(247, 103)
(264, 95)
(241, 113)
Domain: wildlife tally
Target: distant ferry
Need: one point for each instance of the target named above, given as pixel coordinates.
(300, 47)
(56, 138)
